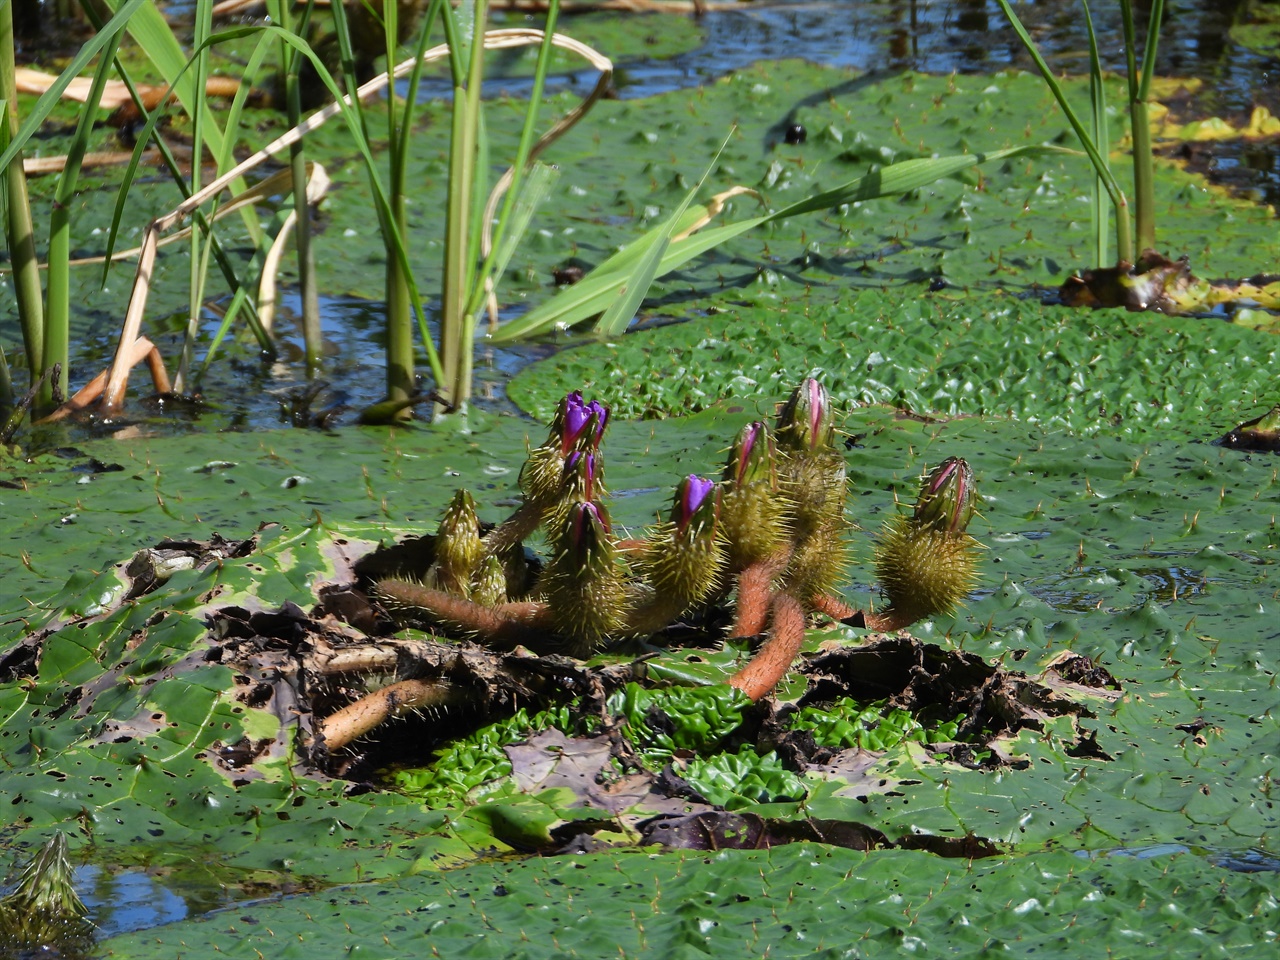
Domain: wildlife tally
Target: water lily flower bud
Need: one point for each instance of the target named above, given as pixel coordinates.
(752, 458)
(589, 529)
(582, 474)
(946, 502)
(927, 563)
(806, 421)
(458, 548)
(696, 500)
(578, 424)
(489, 586)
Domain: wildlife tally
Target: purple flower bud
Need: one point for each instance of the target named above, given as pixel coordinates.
(693, 494)
(589, 528)
(576, 416)
(602, 418)
(752, 457)
(578, 424)
(947, 497)
(560, 419)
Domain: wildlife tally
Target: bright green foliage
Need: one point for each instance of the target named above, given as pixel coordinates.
(1113, 531)
(868, 727)
(1018, 223)
(1136, 375)
(738, 780)
(695, 718)
(471, 762)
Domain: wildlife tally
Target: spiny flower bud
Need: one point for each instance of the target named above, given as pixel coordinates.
(457, 546)
(696, 502)
(752, 457)
(946, 502)
(806, 421)
(582, 478)
(577, 425)
(927, 563)
(588, 529)
(489, 586)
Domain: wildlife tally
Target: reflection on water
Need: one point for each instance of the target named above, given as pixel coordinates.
(1247, 861)
(941, 36)
(125, 901)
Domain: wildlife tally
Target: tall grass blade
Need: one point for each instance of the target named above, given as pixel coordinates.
(19, 229)
(628, 297)
(459, 266)
(290, 61)
(152, 34)
(490, 272)
(57, 328)
(1124, 241)
(594, 293)
(175, 172)
(532, 192)
(49, 99)
(198, 262)
(1139, 121)
(1098, 206)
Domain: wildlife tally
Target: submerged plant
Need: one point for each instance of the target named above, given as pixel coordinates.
(44, 914)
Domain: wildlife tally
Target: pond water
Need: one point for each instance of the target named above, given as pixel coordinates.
(881, 36)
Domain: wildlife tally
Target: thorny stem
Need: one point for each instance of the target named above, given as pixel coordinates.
(767, 668)
(357, 719)
(502, 627)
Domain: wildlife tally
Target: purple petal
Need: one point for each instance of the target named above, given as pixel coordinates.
(602, 417)
(576, 415)
(691, 494)
(817, 410)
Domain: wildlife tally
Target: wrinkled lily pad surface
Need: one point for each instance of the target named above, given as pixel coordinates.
(1115, 530)
(1152, 558)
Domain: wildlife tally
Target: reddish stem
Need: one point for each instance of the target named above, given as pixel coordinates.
(755, 586)
(503, 627)
(770, 665)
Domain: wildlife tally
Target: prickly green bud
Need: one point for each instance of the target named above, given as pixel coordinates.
(752, 458)
(44, 912)
(751, 512)
(458, 545)
(927, 563)
(806, 421)
(946, 502)
(583, 585)
(489, 586)
(587, 529)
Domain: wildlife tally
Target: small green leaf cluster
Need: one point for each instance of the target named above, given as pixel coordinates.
(699, 717)
(463, 767)
(737, 780)
(849, 724)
